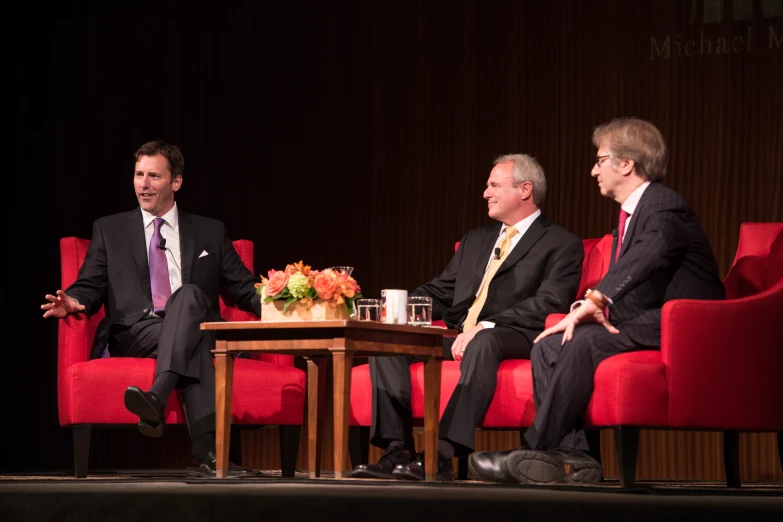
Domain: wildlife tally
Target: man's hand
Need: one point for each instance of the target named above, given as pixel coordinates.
(462, 340)
(588, 312)
(61, 305)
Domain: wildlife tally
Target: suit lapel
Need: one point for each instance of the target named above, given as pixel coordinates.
(526, 242)
(482, 259)
(138, 246)
(187, 243)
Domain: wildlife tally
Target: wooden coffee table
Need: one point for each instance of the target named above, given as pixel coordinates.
(318, 341)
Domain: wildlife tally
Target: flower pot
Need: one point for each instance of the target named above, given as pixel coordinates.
(320, 311)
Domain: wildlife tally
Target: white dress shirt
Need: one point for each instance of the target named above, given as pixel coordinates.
(170, 232)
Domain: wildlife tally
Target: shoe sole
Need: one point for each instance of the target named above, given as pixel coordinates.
(366, 473)
(537, 467)
(406, 475)
(149, 422)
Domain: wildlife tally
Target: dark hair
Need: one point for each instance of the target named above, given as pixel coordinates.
(639, 140)
(168, 151)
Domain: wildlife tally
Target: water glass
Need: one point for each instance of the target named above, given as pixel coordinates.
(420, 310)
(347, 270)
(368, 310)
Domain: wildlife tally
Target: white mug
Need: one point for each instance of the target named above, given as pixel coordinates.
(394, 306)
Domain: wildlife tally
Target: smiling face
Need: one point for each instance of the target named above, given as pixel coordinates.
(507, 203)
(153, 184)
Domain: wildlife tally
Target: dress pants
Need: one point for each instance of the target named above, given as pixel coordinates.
(563, 383)
(179, 346)
(391, 389)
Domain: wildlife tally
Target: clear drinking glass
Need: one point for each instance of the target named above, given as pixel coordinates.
(348, 270)
(368, 310)
(420, 310)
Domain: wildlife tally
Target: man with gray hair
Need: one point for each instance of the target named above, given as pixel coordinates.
(497, 290)
(660, 252)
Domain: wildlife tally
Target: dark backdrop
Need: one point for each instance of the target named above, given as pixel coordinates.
(362, 133)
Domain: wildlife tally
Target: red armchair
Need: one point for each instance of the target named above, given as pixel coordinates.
(512, 406)
(719, 366)
(268, 390)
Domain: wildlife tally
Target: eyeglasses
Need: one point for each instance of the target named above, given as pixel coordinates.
(600, 159)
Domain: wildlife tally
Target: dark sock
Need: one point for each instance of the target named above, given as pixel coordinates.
(397, 444)
(164, 384)
(445, 449)
(204, 444)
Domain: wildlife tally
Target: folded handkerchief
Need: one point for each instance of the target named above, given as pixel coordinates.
(204, 253)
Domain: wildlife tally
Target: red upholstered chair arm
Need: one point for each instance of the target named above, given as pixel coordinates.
(724, 360)
(553, 319)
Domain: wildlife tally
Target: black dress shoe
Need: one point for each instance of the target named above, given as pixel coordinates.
(204, 467)
(148, 408)
(561, 466)
(415, 470)
(392, 456)
(490, 466)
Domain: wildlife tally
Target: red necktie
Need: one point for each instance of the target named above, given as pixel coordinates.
(620, 233)
(159, 270)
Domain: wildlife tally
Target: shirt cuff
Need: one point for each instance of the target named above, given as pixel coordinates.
(487, 324)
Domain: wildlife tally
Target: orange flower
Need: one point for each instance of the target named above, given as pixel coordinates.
(325, 285)
(276, 284)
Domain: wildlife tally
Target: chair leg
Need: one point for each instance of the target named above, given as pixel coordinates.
(780, 448)
(731, 458)
(594, 443)
(462, 467)
(289, 447)
(627, 446)
(359, 445)
(235, 445)
(81, 449)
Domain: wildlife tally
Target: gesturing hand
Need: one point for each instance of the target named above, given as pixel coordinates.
(588, 312)
(60, 305)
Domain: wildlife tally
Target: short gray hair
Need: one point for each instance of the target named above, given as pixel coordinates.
(527, 168)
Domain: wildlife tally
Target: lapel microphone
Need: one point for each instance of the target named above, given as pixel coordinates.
(162, 246)
(497, 252)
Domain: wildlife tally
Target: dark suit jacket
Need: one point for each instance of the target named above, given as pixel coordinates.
(116, 272)
(665, 255)
(539, 277)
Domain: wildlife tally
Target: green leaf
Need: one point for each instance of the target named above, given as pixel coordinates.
(311, 293)
(288, 302)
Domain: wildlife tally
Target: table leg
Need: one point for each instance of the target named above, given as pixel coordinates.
(224, 378)
(432, 371)
(316, 391)
(342, 367)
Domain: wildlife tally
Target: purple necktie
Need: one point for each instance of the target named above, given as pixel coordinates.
(620, 233)
(159, 270)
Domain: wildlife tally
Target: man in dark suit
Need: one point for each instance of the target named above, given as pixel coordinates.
(660, 253)
(158, 272)
(498, 289)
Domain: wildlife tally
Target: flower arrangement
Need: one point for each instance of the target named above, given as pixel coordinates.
(299, 283)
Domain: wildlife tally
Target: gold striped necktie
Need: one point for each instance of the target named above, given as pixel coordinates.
(478, 304)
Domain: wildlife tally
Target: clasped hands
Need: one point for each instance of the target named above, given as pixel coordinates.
(587, 312)
(61, 305)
